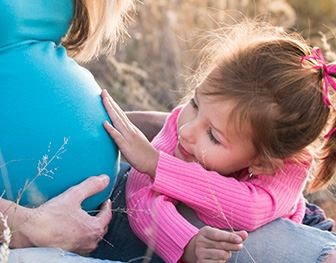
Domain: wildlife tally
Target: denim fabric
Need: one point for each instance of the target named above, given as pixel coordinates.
(49, 255)
(284, 241)
(316, 217)
(277, 242)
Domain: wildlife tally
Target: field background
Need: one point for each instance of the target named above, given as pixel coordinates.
(150, 68)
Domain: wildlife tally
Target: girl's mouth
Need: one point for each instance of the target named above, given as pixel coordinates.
(183, 151)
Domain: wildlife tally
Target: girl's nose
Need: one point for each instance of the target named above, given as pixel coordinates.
(188, 132)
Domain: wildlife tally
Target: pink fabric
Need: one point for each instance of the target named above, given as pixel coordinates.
(219, 201)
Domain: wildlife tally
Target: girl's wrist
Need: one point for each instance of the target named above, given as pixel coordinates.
(189, 251)
(153, 159)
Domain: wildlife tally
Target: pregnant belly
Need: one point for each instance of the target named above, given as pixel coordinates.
(51, 133)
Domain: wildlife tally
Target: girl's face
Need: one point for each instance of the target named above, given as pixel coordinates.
(205, 136)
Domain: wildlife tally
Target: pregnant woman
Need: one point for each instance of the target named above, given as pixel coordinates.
(51, 134)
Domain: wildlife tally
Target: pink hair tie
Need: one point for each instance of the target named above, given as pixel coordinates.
(326, 70)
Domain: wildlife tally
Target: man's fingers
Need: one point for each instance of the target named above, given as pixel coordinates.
(105, 214)
(89, 187)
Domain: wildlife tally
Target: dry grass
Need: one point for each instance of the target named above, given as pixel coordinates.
(6, 237)
(149, 72)
(163, 48)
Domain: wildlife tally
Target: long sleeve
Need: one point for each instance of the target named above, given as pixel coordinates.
(225, 202)
(154, 219)
(300, 211)
(219, 201)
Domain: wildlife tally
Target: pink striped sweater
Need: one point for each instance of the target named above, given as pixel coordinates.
(219, 201)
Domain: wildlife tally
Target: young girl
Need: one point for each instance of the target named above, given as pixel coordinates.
(237, 152)
(45, 96)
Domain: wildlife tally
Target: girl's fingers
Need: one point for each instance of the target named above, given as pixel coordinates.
(109, 128)
(243, 234)
(105, 94)
(222, 245)
(221, 239)
(117, 115)
(113, 104)
(213, 255)
(110, 105)
(115, 134)
(220, 235)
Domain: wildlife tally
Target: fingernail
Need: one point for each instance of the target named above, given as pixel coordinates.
(238, 239)
(104, 178)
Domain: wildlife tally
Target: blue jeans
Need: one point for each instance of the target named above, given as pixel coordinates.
(279, 241)
(49, 255)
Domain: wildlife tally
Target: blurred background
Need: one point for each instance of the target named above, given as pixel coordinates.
(150, 68)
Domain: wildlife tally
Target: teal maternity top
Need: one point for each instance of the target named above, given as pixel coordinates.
(51, 115)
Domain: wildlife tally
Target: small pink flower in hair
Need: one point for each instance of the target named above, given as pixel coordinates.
(326, 70)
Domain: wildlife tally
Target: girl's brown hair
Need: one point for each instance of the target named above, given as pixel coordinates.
(96, 27)
(258, 66)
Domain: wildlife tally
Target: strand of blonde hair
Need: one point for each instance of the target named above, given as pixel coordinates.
(97, 27)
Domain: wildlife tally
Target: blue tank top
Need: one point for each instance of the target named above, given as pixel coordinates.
(51, 131)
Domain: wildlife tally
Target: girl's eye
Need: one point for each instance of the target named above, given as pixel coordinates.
(212, 137)
(193, 104)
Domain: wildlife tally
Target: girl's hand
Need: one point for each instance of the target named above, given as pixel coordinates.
(62, 223)
(213, 245)
(131, 141)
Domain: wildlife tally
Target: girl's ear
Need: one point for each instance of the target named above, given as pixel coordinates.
(267, 168)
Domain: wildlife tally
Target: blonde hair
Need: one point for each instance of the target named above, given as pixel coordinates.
(96, 27)
(258, 67)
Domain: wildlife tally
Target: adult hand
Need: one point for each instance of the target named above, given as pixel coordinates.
(133, 144)
(213, 245)
(61, 222)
